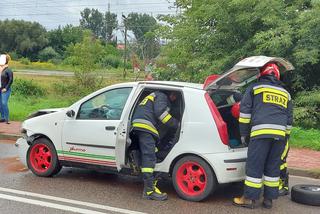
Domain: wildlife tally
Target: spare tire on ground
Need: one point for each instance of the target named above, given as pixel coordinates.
(306, 194)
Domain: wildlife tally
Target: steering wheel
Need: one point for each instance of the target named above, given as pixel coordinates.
(105, 107)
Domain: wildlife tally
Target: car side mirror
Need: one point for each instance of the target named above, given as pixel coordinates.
(70, 113)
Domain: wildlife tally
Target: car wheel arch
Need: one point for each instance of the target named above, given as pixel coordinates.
(176, 159)
(34, 137)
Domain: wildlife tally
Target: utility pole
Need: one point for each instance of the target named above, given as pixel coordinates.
(125, 46)
(106, 21)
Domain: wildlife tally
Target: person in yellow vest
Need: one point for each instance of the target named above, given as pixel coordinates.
(265, 116)
(152, 111)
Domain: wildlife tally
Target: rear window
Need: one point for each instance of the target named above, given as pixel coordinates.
(238, 76)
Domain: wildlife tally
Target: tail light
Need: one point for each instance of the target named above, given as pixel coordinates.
(210, 79)
(221, 125)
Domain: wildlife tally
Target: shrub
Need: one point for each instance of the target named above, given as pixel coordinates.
(70, 89)
(27, 88)
(111, 60)
(47, 54)
(24, 61)
(307, 109)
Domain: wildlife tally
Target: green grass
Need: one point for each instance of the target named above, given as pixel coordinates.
(21, 107)
(302, 138)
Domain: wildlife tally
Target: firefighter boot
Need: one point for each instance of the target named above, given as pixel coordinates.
(150, 191)
(284, 187)
(267, 203)
(284, 191)
(244, 202)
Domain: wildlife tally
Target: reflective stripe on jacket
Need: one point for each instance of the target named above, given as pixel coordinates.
(266, 110)
(151, 111)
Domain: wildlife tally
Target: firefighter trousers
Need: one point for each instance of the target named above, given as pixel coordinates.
(147, 144)
(263, 168)
(284, 175)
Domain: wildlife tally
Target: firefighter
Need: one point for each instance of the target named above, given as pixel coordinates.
(265, 117)
(284, 174)
(151, 111)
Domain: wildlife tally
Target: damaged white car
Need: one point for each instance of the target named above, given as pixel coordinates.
(94, 132)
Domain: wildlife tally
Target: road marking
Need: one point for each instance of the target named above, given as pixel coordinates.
(48, 204)
(82, 203)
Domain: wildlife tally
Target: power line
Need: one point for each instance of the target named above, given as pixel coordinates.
(55, 14)
(40, 10)
(78, 5)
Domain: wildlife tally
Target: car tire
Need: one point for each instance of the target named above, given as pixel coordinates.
(193, 178)
(306, 194)
(42, 158)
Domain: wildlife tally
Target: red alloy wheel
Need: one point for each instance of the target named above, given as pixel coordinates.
(40, 158)
(191, 178)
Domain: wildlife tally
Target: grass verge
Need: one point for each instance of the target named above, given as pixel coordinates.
(305, 138)
(21, 107)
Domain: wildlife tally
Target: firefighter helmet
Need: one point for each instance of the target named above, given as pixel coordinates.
(270, 68)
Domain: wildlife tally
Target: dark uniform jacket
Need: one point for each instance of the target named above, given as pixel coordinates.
(6, 78)
(151, 111)
(266, 110)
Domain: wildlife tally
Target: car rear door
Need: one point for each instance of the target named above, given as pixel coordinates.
(246, 71)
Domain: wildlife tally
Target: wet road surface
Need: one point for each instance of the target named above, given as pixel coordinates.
(84, 191)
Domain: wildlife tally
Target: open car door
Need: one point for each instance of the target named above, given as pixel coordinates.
(246, 71)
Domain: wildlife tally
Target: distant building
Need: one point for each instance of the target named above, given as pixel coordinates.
(120, 46)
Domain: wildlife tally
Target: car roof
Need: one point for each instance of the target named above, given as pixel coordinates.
(167, 83)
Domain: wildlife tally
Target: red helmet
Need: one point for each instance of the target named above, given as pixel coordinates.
(270, 68)
(235, 110)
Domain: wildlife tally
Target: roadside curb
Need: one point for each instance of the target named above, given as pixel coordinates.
(311, 173)
(6, 136)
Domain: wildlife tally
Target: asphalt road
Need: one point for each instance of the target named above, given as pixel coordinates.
(85, 191)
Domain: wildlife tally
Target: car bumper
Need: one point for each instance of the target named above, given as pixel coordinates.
(22, 147)
(228, 167)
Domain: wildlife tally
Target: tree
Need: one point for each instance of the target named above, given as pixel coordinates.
(101, 25)
(210, 36)
(143, 27)
(60, 38)
(306, 52)
(85, 57)
(24, 38)
(47, 54)
(111, 23)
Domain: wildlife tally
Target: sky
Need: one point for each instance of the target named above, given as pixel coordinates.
(52, 13)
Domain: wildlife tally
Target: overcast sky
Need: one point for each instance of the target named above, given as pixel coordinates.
(52, 13)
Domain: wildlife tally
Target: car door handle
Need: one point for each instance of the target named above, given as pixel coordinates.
(110, 128)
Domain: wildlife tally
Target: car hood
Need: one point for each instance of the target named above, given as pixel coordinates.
(246, 71)
(44, 111)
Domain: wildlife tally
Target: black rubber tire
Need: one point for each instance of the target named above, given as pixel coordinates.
(55, 166)
(211, 179)
(306, 194)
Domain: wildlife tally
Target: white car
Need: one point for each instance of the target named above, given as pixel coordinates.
(95, 132)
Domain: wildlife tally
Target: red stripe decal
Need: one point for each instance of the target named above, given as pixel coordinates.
(108, 163)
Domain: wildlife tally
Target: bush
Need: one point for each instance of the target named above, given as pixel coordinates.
(111, 60)
(27, 88)
(24, 61)
(47, 54)
(14, 55)
(70, 89)
(307, 109)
